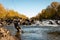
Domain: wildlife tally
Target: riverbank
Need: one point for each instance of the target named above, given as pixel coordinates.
(6, 35)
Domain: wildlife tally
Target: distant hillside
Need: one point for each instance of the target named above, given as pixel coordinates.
(51, 12)
(4, 13)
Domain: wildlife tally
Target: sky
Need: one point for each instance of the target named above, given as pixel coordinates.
(29, 8)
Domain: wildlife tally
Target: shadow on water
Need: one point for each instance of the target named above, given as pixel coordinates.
(17, 35)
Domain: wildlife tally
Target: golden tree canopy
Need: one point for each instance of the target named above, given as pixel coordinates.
(10, 13)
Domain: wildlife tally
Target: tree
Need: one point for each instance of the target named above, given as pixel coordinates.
(51, 12)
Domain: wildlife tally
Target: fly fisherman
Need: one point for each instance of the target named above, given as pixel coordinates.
(16, 21)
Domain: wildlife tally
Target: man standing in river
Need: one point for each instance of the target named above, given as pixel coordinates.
(16, 21)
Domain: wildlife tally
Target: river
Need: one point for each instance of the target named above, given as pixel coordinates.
(35, 32)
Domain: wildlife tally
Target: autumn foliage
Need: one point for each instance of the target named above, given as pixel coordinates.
(51, 12)
(5, 14)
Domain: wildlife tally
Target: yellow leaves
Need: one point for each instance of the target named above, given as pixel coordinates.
(2, 11)
(10, 13)
(55, 4)
(23, 16)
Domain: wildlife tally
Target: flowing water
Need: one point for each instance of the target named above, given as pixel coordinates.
(35, 32)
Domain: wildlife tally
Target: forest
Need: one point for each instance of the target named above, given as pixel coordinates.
(10, 14)
(51, 12)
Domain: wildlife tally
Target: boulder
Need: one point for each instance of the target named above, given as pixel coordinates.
(5, 35)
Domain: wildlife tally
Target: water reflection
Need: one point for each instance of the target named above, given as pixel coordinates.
(17, 35)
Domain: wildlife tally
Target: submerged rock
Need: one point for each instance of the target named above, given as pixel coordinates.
(5, 35)
(53, 36)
